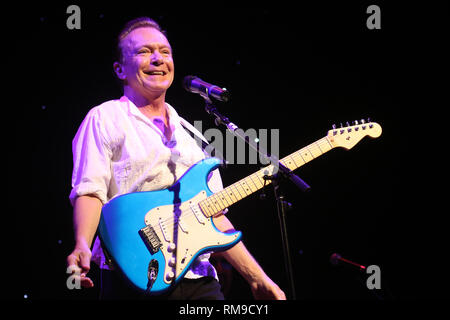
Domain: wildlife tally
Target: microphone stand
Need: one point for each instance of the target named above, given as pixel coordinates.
(282, 172)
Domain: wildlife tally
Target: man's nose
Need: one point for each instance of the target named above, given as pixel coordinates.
(156, 58)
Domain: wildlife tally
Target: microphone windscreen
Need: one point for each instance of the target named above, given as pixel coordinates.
(334, 259)
(187, 82)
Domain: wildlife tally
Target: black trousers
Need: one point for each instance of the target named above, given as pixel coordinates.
(114, 287)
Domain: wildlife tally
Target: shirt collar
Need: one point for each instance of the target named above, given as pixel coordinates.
(174, 118)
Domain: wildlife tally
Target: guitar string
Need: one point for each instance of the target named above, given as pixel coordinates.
(170, 221)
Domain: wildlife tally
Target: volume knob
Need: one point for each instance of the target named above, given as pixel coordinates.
(170, 275)
(171, 247)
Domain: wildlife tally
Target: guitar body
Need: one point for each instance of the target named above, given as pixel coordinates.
(155, 236)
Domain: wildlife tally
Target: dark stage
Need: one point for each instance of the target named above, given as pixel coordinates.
(293, 67)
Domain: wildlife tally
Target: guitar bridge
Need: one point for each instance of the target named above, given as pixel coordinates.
(150, 239)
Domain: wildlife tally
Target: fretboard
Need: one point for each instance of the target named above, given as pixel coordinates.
(245, 187)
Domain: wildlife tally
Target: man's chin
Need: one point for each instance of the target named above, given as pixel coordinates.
(157, 86)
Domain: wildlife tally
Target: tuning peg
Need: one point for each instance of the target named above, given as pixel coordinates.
(363, 121)
(368, 120)
(334, 129)
(355, 122)
(348, 124)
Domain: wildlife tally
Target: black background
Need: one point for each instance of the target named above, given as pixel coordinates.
(293, 67)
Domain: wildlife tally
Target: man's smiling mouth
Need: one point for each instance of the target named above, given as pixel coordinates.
(155, 73)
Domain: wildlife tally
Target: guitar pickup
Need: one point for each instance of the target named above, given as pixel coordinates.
(198, 213)
(150, 239)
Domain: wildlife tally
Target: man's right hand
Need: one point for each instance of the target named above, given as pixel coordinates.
(86, 215)
(80, 260)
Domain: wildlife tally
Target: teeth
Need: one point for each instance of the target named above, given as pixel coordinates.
(159, 73)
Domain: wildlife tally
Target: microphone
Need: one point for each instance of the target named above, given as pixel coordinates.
(336, 259)
(196, 85)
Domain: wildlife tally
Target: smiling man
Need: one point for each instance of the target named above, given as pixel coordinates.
(145, 66)
(138, 143)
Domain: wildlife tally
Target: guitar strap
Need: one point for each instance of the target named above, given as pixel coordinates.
(211, 151)
(190, 128)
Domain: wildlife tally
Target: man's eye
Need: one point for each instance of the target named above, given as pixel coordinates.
(143, 51)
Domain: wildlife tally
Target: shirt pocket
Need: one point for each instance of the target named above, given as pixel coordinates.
(122, 170)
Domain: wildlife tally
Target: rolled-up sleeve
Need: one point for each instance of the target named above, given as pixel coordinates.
(91, 159)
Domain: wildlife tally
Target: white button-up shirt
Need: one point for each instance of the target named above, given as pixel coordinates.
(118, 150)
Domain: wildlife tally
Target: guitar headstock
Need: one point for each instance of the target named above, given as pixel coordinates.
(347, 137)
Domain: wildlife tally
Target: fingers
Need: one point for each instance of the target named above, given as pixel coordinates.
(86, 282)
(280, 295)
(72, 260)
(85, 261)
(81, 259)
(76, 280)
(79, 264)
(277, 293)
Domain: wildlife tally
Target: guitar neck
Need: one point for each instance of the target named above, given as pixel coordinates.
(245, 187)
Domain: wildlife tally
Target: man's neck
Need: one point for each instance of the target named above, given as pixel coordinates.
(150, 105)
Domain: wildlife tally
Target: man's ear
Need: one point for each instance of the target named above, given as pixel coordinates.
(118, 69)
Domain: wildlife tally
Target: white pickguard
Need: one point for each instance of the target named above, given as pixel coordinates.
(194, 233)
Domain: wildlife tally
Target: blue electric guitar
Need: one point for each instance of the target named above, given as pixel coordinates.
(153, 237)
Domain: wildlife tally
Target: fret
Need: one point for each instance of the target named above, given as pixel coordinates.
(251, 184)
(211, 206)
(289, 163)
(255, 175)
(303, 155)
(208, 207)
(222, 200)
(225, 199)
(309, 152)
(237, 191)
(320, 148)
(244, 187)
(204, 207)
(326, 145)
(232, 194)
(293, 159)
(229, 196)
(299, 161)
(312, 148)
(306, 155)
(260, 174)
(235, 187)
(315, 151)
(218, 202)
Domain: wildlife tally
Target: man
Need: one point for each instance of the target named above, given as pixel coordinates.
(135, 144)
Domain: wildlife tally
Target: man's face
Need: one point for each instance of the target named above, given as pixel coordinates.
(147, 65)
